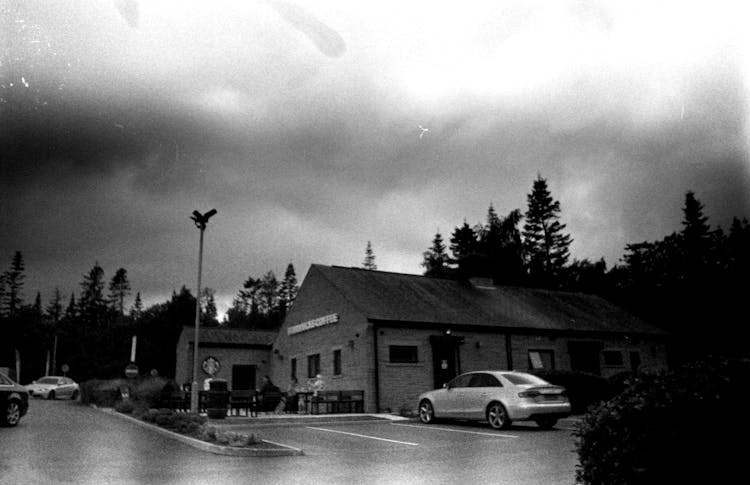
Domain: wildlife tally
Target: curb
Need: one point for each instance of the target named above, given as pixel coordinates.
(282, 450)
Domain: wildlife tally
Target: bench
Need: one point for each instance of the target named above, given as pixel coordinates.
(328, 400)
(352, 401)
(243, 399)
(269, 400)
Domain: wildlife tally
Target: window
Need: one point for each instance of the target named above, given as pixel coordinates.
(541, 359)
(294, 368)
(337, 362)
(403, 354)
(313, 365)
(461, 381)
(612, 358)
(484, 380)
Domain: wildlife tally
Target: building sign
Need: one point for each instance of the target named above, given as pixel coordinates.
(314, 323)
(210, 366)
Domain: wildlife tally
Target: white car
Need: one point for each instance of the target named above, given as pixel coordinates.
(499, 397)
(53, 387)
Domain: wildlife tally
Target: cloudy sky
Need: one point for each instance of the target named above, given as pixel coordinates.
(299, 121)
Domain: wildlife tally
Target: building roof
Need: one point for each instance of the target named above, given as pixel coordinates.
(397, 297)
(230, 336)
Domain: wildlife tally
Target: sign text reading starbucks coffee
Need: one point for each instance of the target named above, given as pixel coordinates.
(314, 323)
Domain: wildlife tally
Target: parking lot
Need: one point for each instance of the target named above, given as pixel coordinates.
(408, 451)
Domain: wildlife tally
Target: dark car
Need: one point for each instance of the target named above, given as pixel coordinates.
(14, 401)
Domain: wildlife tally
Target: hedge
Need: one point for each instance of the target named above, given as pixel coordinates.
(584, 390)
(675, 427)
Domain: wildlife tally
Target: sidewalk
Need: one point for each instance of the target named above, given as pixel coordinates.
(272, 419)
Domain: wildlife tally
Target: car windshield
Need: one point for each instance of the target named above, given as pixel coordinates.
(47, 380)
(522, 379)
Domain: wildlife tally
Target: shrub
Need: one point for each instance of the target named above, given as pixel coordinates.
(662, 427)
(584, 390)
(185, 423)
(125, 407)
(99, 392)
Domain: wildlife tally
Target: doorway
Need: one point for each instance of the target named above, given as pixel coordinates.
(445, 358)
(243, 377)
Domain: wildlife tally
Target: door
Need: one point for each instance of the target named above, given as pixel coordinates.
(450, 401)
(243, 377)
(584, 356)
(445, 363)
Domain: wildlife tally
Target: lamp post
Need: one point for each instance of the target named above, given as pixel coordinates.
(200, 222)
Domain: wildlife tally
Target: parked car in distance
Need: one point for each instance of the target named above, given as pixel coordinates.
(53, 387)
(499, 397)
(14, 401)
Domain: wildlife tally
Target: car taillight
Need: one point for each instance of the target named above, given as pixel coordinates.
(531, 394)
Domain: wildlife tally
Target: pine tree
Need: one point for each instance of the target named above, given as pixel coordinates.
(696, 239)
(464, 248)
(369, 262)
(288, 290)
(208, 308)
(54, 308)
(545, 245)
(435, 260)
(137, 310)
(91, 303)
(13, 278)
(119, 288)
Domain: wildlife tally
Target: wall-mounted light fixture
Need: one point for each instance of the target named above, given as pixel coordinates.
(448, 331)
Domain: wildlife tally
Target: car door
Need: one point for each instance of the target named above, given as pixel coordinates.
(453, 397)
(66, 387)
(482, 389)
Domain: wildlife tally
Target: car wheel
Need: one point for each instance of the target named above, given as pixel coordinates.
(426, 412)
(12, 413)
(546, 423)
(51, 395)
(74, 396)
(497, 416)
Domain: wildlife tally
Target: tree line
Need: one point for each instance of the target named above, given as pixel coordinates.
(691, 283)
(91, 332)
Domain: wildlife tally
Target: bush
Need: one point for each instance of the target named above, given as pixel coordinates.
(185, 423)
(103, 393)
(210, 433)
(584, 390)
(663, 429)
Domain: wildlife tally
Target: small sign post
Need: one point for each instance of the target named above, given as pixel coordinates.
(131, 370)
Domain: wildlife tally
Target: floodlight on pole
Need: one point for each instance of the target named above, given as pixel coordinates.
(200, 221)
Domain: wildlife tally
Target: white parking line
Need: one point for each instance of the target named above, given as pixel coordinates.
(363, 436)
(496, 435)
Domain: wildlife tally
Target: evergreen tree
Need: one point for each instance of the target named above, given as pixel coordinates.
(119, 288)
(208, 308)
(696, 240)
(71, 311)
(137, 310)
(268, 294)
(545, 245)
(91, 303)
(288, 290)
(54, 308)
(435, 260)
(464, 248)
(13, 279)
(369, 262)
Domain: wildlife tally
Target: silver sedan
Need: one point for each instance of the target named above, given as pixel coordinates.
(54, 387)
(499, 397)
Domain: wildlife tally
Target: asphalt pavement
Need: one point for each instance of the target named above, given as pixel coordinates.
(64, 442)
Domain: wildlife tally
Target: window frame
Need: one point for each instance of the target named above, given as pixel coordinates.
(412, 358)
(541, 352)
(313, 359)
(337, 362)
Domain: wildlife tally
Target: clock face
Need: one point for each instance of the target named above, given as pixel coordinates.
(210, 366)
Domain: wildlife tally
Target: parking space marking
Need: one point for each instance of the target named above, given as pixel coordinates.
(363, 436)
(496, 435)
